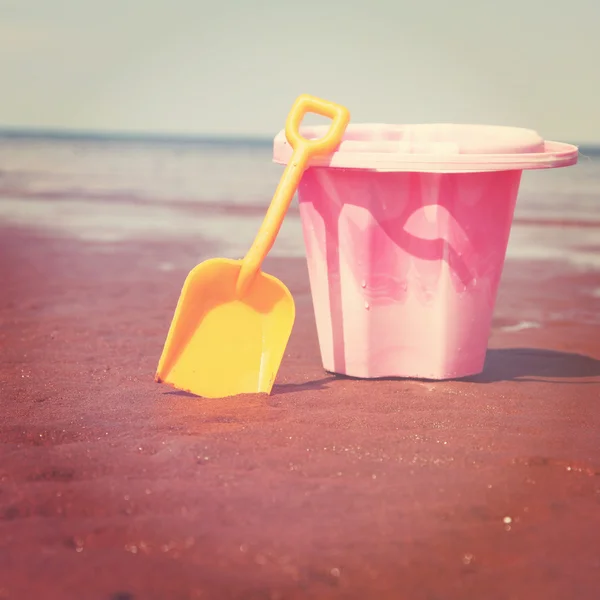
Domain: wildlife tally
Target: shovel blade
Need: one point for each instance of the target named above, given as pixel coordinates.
(222, 345)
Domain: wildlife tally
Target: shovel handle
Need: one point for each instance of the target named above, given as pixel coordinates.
(304, 150)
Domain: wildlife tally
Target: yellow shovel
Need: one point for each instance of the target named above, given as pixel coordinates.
(232, 321)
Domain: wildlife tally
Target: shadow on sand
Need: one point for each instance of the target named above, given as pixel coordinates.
(503, 364)
(531, 364)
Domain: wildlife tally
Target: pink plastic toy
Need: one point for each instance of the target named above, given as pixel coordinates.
(406, 230)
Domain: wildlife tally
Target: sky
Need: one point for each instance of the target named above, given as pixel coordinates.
(234, 67)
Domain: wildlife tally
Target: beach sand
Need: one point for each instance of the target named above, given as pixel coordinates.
(114, 487)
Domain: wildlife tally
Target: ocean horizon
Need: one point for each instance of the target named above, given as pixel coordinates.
(34, 133)
(7, 133)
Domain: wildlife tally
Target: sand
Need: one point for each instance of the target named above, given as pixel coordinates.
(114, 487)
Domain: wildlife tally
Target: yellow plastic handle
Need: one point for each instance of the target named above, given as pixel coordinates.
(304, 150)
(339, 116)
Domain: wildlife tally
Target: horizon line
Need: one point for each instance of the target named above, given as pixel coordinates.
(168, 137)
(127, 136)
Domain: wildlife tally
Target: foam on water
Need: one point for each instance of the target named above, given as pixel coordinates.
(521, 326)
(159, 172)
(95, 222)
(580, 247)
(239, 173)
(232, 234)
(55, 184)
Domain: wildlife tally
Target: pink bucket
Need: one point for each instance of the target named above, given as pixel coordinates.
(406, 230)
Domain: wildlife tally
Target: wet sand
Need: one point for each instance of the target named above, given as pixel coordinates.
(114, 487)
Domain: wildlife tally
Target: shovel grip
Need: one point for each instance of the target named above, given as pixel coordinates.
(304, 104)
(304, 150)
